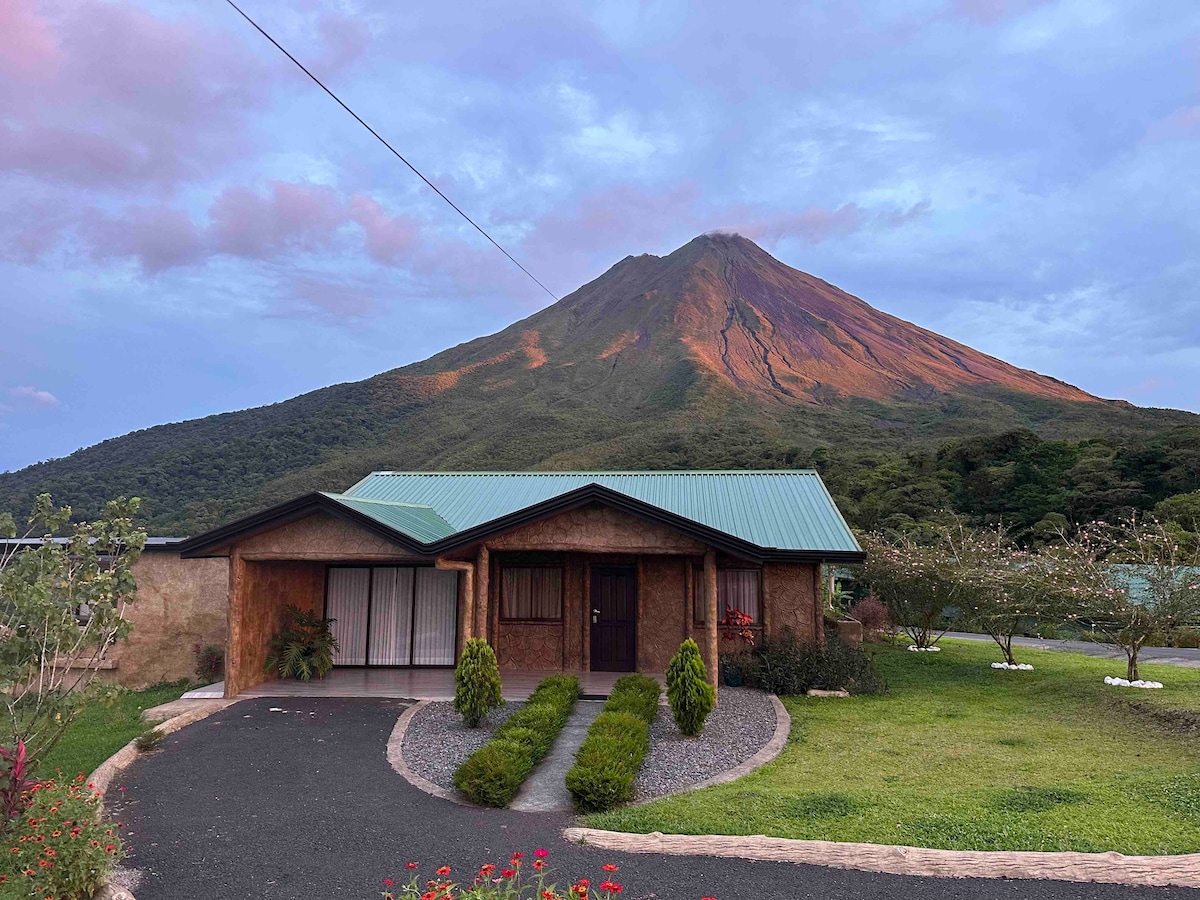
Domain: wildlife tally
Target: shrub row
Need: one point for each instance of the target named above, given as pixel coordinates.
(787, 666)
(492, 775)
(607, 764)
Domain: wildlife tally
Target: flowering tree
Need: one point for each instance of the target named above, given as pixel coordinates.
(1132, 582)
(915, 581)
(62, 605)
(1001, 587)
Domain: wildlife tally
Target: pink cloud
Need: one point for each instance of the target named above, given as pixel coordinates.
(814, 224)
(108, 93)
(345, 40)
(28, 47)
(1182, 123)
(989, 12)
(159, 237)
(387, 238)
(33, 395)
(289, 216)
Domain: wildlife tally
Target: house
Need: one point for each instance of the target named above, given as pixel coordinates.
(180, 603)
(580, 571)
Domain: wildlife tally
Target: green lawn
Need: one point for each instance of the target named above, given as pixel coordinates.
(103, 729)
(962, 756)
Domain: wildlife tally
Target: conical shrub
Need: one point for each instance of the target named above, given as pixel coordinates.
(688, 691)
(476, 682)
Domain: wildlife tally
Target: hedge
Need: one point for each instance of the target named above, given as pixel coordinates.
(492, 775)
(607, 764)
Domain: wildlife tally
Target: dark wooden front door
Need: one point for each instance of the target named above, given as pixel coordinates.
(614, 618)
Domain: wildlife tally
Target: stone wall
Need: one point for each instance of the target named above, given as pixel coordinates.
(790, 600)
(662, 604)
(259, 593)
(596, 528)
(529, 645)
(180, 603)
(325, 537)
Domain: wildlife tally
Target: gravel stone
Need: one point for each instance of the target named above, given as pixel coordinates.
(740, 726)
(437, 742)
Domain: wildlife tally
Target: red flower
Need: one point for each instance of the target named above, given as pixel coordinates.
(411, 865)
(538, 865)
(388, 882)
(518, 855)
(540, 853)
(444, 870)
(609, 867)
(507, 873)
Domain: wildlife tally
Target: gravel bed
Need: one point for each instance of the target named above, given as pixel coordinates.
(437, 742)
(740, 726)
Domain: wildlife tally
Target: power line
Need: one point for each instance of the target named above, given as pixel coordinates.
(395, 152)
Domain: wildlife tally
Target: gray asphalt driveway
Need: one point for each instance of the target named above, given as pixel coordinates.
(1172, 656)
(251, 803)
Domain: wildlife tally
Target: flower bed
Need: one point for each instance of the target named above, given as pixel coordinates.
(492, 775)
(510, 882)
(607, 764)
(60, 846)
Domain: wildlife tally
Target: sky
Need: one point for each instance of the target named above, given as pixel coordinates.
(188, 225)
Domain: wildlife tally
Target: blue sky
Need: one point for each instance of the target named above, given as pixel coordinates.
(188, 226)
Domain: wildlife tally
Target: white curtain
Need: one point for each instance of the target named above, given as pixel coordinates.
(391, 616)
(738, 589)
(435, 604)
(346, 602)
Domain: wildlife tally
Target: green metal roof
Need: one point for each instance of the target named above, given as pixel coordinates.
(414, 519)
(779, 510)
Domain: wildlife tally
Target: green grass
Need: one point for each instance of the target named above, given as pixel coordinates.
(962, 756)
(104, 728)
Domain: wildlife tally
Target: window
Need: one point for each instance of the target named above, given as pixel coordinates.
(736, 589)
(531, 592)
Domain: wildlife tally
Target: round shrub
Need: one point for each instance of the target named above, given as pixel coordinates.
(476, 682)
(688, 691)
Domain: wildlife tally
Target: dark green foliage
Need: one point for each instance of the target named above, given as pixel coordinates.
(688, 690)
(476, 682)
(210, 663)
(304, 648)
(492, 775)
(607, 763)
(787, 667)
(149, 740)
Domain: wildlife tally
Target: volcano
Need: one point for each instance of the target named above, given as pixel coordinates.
(714, 356)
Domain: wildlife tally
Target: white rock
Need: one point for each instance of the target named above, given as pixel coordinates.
(917, 649)
(1140, 683)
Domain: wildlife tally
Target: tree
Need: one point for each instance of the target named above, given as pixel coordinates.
(915, 581)
(477, 682)
(62, 606)
(691, 696)
(1001, 587)
(1132, 581)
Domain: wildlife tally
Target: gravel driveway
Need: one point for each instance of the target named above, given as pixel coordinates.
(302, 805)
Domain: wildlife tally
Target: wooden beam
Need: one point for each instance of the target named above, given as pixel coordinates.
(482, 587)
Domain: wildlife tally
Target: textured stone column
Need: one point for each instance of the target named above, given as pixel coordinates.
(482, 573)
(466, 597)
(710, 616)
(233, 644)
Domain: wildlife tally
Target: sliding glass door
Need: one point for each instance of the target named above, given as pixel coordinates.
(393, 615)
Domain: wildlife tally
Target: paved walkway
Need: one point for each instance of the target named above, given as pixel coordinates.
(301, 804)
(545, 790)
(1171, 656)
